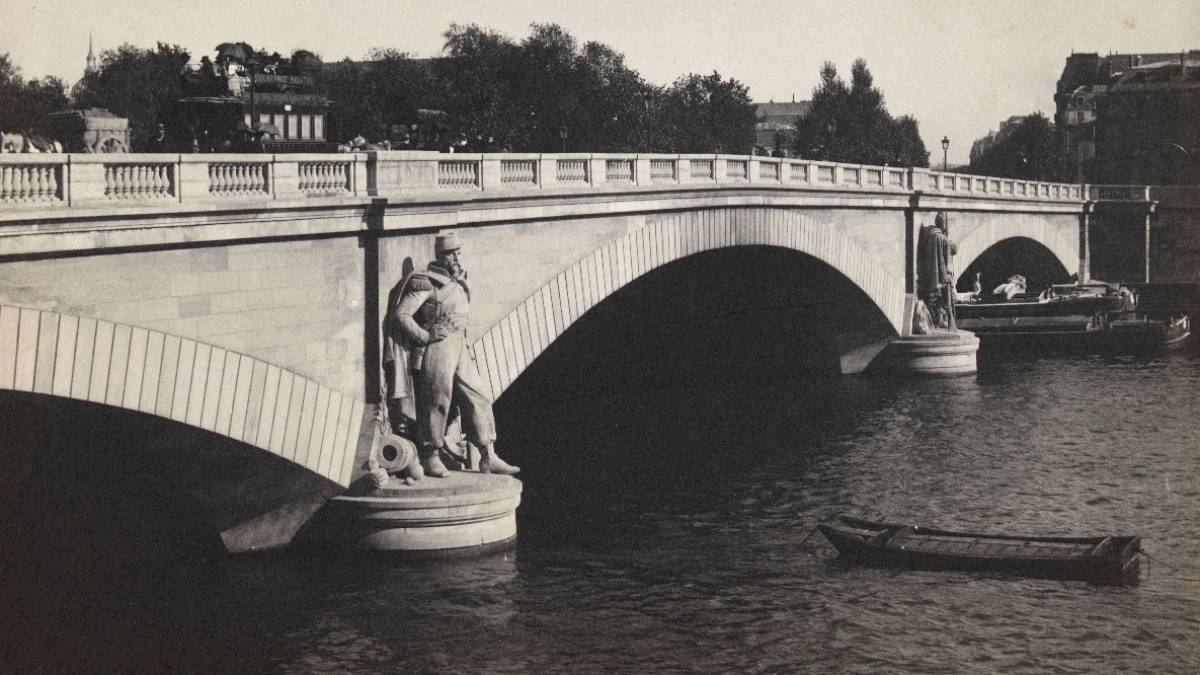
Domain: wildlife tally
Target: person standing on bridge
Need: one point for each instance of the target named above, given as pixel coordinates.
(431, 313)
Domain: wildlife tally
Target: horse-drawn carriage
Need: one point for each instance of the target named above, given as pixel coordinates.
(90, 130)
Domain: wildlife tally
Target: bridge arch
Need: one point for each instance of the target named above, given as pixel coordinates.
(190, 382)
(1064, 248)
(510, 345)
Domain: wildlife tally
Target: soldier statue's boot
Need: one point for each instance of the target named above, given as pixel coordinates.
(432, 464)
(490, 462)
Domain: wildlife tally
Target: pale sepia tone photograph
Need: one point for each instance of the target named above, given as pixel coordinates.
(536, 336)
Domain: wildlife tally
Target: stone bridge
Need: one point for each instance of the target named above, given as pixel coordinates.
(239, 296)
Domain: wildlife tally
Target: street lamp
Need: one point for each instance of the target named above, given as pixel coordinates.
(648, 103)
(562, 135)
(945, 149)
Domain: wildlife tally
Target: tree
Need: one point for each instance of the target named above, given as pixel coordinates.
(540, 95)
(137, 84)
(475, 83)
(851, 123)
(24, 106)
(704, 113)
(1026, 149)
(817, 132)
(612, 104)
(551, 81)
(905, 145)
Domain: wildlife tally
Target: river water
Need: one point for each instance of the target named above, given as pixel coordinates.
(670, 529)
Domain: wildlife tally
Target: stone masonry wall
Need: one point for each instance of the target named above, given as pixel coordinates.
(294, 304)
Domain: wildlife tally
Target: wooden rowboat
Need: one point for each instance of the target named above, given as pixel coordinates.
(1109, 560)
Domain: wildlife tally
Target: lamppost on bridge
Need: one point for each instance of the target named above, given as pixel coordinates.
(562, 136)
(945, 150)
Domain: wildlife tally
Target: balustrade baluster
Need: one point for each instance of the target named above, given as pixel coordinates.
(39, 184)
(23, 193)
(51, 183)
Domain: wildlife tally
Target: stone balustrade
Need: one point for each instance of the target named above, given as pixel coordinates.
(29, 182)
(88, 181)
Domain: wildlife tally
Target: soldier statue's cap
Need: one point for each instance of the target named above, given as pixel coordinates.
(940, 219)
(446, 242)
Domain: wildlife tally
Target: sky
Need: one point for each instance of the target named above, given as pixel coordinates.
(958, 67)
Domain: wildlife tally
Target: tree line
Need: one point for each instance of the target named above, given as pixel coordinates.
(545, 93)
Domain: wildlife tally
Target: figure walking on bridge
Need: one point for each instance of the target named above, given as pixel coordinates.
(430, 313)
(935, 275)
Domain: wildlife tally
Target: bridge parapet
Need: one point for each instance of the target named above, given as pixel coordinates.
(51, 182)
(86, 180)
(989, 186)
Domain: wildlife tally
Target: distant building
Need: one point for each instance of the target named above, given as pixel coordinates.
(775, 126)
(984, 144)
(1131, 118)
(91, 58)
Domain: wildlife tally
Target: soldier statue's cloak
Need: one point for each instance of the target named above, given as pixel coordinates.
(401, 355)
(934, 249)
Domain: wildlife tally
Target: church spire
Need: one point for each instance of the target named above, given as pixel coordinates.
(91, 57)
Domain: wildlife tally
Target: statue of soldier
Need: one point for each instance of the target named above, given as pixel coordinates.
(935, 276)
(431, 313)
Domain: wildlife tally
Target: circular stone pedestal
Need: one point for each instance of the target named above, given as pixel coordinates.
(948, 353)
(461, 513)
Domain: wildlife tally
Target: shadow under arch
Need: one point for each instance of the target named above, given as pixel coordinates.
(1064, 249)
(1015, 255)
(510, 345)
(641, 396)
(76, 468)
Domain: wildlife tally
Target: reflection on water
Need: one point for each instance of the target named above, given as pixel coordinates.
(670, 530)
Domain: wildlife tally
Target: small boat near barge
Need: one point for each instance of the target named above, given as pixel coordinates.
(1134, 332)
(1111, 560)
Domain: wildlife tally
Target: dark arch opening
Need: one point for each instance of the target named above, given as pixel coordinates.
(110, 521)
(122, 491)
(1017, 255)
(704, 368)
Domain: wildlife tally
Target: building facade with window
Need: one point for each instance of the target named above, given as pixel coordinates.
(1131, 118)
